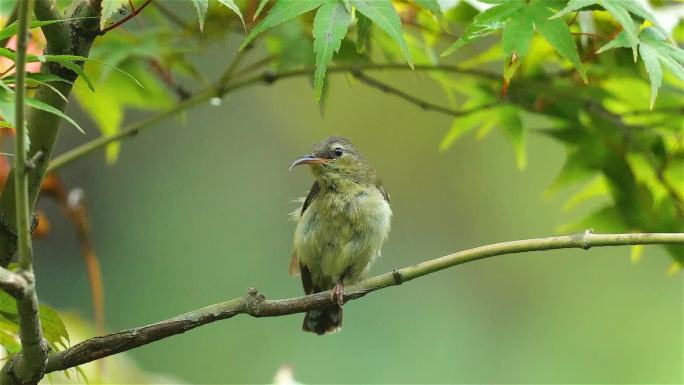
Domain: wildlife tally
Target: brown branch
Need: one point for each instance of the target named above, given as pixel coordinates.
(257, 305)
(425, 105)
(134, 13)
(13, 283)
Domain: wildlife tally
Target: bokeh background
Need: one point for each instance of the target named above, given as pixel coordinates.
(195, 212)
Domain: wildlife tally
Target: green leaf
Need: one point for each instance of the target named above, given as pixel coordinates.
(653, 68)
(330, 27)
(363, 25)
(282, 11)
(114, 94)
(615, 8)
(201, 6)
(70, 59)
(7, 110)
(512, 126)
(382, 13)
(7, 99)
(109, 9)
(462, 125)
(515, 39)
(485, 24)
(620, 10)
(432, 6)
(656, 53)
(53, 327)
(636, 8)
(48, 108)
(48, 85)
(233, 7)
(4, 86)
(11, 29)
(620, 41)
(556, 33)
(572, 6)
(596, 188)
(262, 4)
(604, 220)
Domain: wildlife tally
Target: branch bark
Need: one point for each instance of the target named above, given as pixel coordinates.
(12, 283)
(256, 305)
(29, 366)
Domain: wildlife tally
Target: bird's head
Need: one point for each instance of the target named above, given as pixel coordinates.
(336, 160)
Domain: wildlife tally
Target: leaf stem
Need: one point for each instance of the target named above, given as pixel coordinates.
(134, 13)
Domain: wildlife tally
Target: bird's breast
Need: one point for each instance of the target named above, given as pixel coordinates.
(342, 232)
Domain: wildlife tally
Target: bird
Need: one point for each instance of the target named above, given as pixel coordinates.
(341, 227)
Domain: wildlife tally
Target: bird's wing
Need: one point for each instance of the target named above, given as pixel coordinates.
(384, 192)
(315, 189)
(307, 283)
(294, 268)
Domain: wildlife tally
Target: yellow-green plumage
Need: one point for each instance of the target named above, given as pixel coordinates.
(341, 226)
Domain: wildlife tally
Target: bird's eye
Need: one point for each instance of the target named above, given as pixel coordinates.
(338, 151)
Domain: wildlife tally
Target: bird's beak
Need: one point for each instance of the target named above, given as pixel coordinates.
(308, 159)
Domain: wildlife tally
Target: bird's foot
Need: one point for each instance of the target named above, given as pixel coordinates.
(338, 293)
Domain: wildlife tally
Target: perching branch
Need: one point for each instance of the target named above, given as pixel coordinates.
(257, 305)
(220, 89)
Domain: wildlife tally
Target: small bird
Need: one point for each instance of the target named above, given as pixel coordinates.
(341, 226)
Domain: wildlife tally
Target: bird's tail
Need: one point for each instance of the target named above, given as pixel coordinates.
(323, 321)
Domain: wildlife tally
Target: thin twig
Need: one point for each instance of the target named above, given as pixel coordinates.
(218, 90)
(134, 13)
(425, 105)
(257, 305)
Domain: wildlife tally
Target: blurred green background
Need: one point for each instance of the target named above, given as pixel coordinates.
(195, 212)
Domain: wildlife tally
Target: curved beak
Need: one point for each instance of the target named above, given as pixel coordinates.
(307, 159)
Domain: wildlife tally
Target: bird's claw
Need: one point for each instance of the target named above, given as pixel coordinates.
(338, 293)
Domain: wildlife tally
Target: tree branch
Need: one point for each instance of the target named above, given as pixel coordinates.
(75, 39)
(425, 105)
(12, 283)
(221, 89)
(28, 368)
(55, 34)
(257, 305)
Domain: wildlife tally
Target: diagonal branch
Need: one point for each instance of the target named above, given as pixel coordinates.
(256, 305)
(425, 105)
(226, 86)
